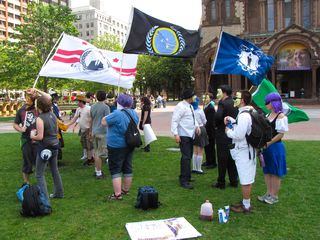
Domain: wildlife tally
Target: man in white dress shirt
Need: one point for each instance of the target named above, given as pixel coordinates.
(184, 126)
(243, 153)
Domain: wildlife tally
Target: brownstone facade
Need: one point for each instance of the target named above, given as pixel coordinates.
(277, 27)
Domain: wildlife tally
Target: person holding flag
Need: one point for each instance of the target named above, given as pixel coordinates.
(274, 154)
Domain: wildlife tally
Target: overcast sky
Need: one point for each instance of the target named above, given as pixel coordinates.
(185, 13)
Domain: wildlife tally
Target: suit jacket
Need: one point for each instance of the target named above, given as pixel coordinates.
(210, 112)
(225, 108)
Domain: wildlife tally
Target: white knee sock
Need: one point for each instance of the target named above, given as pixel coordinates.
(194, 162)
(199, 163)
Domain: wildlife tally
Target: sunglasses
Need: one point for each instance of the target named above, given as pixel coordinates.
(235, 98)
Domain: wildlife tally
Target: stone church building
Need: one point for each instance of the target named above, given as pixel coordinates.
(288, 30)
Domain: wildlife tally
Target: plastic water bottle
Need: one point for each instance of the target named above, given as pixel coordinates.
(229, 124)
(206, 211)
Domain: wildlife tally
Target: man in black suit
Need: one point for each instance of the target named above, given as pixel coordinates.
(210, 149)
(225, 161)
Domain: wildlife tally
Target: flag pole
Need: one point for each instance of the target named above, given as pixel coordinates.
(35, 82)
(209, 76)
(120, 74)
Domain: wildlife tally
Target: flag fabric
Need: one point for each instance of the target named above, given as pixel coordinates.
(149, 35)
(294, 114)
(237, 56)
(77, 59)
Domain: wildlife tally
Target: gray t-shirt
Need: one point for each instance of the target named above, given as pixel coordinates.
(98, 111)
(50, 131)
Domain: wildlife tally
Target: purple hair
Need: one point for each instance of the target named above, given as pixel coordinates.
(275, 100)
(125, 100)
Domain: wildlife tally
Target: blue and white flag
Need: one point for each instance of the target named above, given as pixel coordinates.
(236, 56)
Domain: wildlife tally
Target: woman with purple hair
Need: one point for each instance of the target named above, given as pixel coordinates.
(119, 154)
(274, 155)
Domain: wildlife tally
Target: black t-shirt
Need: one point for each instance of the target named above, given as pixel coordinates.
(27, 116)
(146, 109)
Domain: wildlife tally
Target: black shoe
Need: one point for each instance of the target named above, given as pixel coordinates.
(186, 185)
(219, 185)
(202, 172)
(194, 171)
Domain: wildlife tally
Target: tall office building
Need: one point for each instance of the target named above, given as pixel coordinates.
(11, 12)
(92, 21)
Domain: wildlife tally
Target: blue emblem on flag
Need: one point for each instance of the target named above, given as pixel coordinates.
(237, 56)
(164, 41)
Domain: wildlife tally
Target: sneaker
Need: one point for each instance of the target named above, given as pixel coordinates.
(271, 200)
(113, 196)
(102, 176)
(263, 197)
(54, 196)
(241, 209)
(83, 158)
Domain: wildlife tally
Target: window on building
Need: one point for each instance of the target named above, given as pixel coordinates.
(287, 12)
(306, 12)
(79, 17)
(80, 34)
(88, 25)
(213, 10)
(92, 24)
(117, 24)
(80, 26)
(228, 8)
(270, 13)
(113, 22)
(87, 33)
(91, 32)
(121, 26)
(105, 27)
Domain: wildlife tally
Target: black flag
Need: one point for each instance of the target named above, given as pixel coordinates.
(149, 35)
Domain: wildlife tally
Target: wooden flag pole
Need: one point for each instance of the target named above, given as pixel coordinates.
(35, 82)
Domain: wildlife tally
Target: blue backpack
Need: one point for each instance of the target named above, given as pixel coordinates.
(147, 198)
(35, 202)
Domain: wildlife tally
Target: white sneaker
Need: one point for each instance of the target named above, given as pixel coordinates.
(84, 158)
(271, 200)
(263, 197)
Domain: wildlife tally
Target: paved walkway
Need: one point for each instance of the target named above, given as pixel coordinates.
(161, 121)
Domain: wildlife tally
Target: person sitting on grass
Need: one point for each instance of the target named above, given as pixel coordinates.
(119, 154)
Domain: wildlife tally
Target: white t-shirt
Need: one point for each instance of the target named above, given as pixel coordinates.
(84, 117)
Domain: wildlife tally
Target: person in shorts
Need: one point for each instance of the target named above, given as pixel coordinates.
(98, 111)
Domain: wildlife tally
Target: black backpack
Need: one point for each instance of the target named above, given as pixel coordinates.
(34, 203)
(147, 198)
(132, 135)
(261, 130)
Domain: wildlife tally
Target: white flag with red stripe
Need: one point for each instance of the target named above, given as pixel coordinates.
(77, 59)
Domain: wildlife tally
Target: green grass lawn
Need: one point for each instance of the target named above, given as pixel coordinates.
(85, 214)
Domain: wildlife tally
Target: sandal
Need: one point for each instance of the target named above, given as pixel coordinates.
(115, 197)
(124, 192)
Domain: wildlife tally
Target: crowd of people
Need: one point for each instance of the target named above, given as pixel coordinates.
(222, 129)
(219, 130)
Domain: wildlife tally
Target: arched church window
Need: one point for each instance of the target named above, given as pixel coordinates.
(306, 12)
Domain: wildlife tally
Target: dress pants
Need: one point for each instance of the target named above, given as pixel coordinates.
(186, 149)
(226, 163)
(210, 151)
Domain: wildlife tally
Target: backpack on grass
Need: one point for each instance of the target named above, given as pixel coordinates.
(147, 198)
(35, 202)
(132, 135)
(261, 130)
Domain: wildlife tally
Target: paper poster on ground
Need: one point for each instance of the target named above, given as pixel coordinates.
(168, 229)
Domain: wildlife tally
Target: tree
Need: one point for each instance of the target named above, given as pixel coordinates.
(107, 42)
(163, 73)
(42, 27)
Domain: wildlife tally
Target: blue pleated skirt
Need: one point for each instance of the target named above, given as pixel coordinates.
(275, 160)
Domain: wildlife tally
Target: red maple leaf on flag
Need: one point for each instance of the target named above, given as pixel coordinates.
(115, 60)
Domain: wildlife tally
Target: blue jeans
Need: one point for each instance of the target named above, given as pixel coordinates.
(120, 162)
(40, 171)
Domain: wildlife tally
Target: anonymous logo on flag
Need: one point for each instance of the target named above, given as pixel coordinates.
(165, 41)
(249, 59)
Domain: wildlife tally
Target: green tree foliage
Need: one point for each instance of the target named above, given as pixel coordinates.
(33, 41)
(163, 73)
(107, 42)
